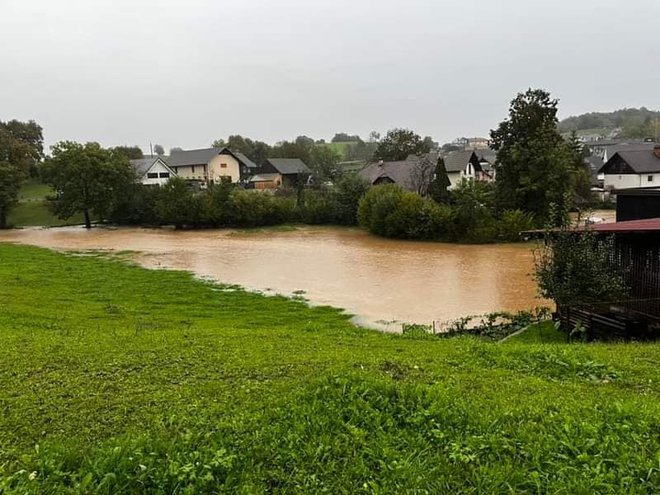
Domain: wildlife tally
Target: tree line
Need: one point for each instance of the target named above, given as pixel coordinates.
(538, 172)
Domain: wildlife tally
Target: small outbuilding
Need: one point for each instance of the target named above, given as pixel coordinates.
(635, 257)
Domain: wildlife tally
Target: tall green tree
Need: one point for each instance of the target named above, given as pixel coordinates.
(580, 172)
(159, 150)
(130, 152)
(87, 178)
(533, 160)
(439, 187)
(21, 148)
(398, 144)
(288, 149)
(323, 161)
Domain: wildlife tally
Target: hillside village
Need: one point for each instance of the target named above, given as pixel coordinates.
(612, 164)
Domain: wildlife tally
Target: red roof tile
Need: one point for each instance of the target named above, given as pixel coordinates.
(629, 227)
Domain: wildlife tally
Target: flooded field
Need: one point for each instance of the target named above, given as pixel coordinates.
(383, 282)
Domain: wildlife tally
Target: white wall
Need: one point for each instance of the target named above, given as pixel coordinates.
(623, 181)
(163, 175)
(456, 177)
(186, 172)
(224, 166)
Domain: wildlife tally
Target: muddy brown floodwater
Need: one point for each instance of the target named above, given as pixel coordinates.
(383, 282)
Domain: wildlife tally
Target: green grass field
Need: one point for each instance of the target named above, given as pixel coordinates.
(340, 148)
(116, 379)
(32, 210)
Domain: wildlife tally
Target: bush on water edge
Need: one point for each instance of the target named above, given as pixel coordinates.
(116, 379)
(385, 210)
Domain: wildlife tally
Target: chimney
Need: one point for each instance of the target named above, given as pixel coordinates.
(656, 150)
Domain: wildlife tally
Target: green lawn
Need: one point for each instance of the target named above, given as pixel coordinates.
(116, 379)
(32, 209)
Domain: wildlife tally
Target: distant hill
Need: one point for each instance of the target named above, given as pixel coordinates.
(627, 122)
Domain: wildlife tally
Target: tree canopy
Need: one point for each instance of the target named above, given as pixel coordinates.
(159, 150)
(257, 151)
(21, 147)
(533, 160)
(130, 152)
(342, 137)
(87, 178)
(398, 144)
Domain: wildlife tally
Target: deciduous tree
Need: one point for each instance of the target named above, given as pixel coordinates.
(533, 160)
(398, 144)
(87, 179)
(21, 147)
(130, 152)
(323, 162)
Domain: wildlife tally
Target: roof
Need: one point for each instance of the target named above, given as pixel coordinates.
(641, 161)
(400, 171)
(628, 227)
(288, 166)
(456, 161)
(192, 157)
(264, 177)
(644, 226)
(204, 155)
(612, 142)
(243, 159)
(143, 165)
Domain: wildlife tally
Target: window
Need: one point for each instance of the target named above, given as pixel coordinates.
(164, 175)
(223, 165)
(152, 175)
(650, 178)
(193, 169)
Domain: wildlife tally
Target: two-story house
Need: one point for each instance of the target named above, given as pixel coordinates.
(212, 165)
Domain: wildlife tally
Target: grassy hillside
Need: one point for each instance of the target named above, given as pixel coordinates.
(340, 148)
(32, 209)
(633, 122)
(115, 379)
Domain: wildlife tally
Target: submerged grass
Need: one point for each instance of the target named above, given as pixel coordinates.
(117, 379)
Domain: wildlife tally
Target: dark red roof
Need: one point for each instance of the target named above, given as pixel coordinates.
(629, 227)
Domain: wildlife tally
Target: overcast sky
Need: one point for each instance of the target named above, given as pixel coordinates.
(183, 73)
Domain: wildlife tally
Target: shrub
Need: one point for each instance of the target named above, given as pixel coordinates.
(375, 207)
(348, 192)
(574, 268)
(254, 209)
(318, 208)
(511, 223)
(391, 212)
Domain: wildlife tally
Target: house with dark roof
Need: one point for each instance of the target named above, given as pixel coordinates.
(606, 148)
(212, 165)
(632, 168)
(152, 171)
(415, 173)
(464, 165)
(396, 172)
(281, 172)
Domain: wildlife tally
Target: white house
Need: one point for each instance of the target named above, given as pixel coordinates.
(464, 164)
(633, 168)
(152, 171)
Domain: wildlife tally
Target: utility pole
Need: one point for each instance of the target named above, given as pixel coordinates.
(151, 149)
